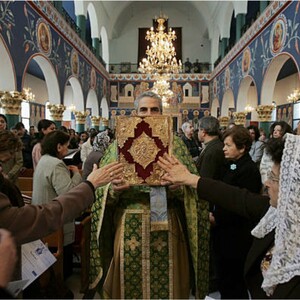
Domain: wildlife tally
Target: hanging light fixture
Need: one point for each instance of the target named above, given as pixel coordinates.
(161, 56)
(294, 96)
(162, 87)
(248, 108)
(28, 95)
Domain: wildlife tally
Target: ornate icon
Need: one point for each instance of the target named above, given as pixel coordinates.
(44, 39)
(278, 34)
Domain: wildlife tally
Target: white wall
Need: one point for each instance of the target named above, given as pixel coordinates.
(125, 47)
(38, 88)
(284, 88)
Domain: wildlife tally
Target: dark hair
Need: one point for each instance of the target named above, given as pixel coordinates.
(256, 131)
(9, 141)
(240, 136)
(5, 119)
(43, 124)
(285, 127)
(19, 126)
(274, 148)
(64, 129)
(210, 124)
(51, 141)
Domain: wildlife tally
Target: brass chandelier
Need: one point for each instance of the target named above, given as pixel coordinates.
(161, 56)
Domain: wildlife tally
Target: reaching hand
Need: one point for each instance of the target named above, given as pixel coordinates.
(8, 257)
(176, 172)
(106, 174)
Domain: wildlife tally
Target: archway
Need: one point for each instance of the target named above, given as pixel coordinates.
(92, 102)
(104, 108)
(40, 76)
(214, 108)
(7, 72)
(227, 103)
(277, 87)
(73, 98)
(247, 96)
(105, 47)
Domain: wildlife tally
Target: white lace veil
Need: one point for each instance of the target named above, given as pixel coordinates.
(285, 262)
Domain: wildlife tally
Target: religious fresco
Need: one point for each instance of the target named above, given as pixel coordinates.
(37, 113)
(285, 113)
(36, 35)
(281, 35)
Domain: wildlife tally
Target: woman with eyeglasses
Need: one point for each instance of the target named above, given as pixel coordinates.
(231, 238)
(272, 265)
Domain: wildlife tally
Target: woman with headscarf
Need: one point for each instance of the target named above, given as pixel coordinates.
(100, 144)
(272, 267)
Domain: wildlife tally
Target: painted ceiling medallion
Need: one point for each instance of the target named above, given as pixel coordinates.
(144, 150)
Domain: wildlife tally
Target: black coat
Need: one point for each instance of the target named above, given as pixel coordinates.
(253, 207)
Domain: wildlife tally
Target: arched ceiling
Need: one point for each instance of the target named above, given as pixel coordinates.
(200, 13)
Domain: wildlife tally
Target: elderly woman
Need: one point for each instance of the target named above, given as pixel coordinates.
(100, 144)
(272, 265)
(232, 238)
(52, 178)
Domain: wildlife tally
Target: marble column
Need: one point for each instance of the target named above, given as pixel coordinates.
(103, 124)
(96, 45)
(80, 120)
(95, 122)
(81, 23)
(11, 104)
(224, 44)
(56, 113)
(240, 22)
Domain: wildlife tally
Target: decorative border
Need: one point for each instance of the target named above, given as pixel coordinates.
(250, 34)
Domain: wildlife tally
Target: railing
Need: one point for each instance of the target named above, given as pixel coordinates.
(128, 67)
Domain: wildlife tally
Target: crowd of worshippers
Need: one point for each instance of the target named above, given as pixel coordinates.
(241, 193)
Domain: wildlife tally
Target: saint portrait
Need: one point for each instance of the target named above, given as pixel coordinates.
(93, 78)
(227, 78)
(278, 34)
(75, 62)
(43, 37)
(246, 61)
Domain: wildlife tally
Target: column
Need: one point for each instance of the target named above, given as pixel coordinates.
(265, 116)
(56, 113)
(80, 120)
(95, 122)
(224, 121)
(103, 124)
(240, 22)
(11, 103)
(224, 44)
(262, 6)
(239, 118)
(81, 23)
(96, 45)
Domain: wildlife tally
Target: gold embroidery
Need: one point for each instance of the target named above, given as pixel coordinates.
(144, 150)
(129, 173)
(133, 243)
(156, 175)
(125, 128)
(160, 128)
(159, 244)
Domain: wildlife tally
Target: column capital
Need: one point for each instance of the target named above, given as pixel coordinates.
(56, 111)
(95, 120)
(11, 102)
(239, 118)
(80, 117)
(224, 121)
(265, 112)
